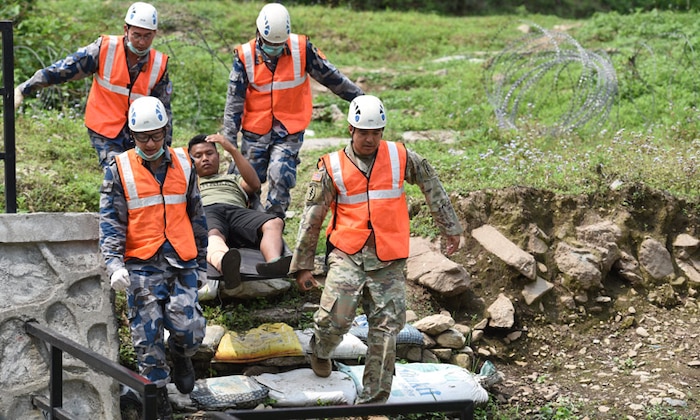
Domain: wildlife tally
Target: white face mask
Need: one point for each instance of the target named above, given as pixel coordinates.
(272, 51)
(152, 157)
(133, 49)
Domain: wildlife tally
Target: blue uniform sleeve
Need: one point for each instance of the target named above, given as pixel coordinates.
(235, 100)
(163, 90)
(198, 219)
(76, 66)
(113, 220)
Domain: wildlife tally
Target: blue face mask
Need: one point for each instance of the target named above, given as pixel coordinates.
(152, 157)
(133, 49)
(272, 51)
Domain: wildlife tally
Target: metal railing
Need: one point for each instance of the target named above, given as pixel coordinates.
(465, 408)
(7, 92)
(58, 344)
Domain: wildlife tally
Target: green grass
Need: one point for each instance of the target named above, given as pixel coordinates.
(430, 72)
(650, 135)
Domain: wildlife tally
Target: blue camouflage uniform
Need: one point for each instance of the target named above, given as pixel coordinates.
(362, 278)
(84, 63)
(275, 155)
(163, 290)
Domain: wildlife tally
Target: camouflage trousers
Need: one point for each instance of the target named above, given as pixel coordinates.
(107, 148)
(275, 160)
(163, 297)
(382, 294)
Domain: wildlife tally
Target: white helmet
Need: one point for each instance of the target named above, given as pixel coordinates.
(273, 23)
(142, 15)
(367, 112)
(147, 113)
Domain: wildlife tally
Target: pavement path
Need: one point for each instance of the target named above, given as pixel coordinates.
(443, 136)
(312, 143)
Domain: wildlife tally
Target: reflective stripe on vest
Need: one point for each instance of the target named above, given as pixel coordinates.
(284, 94)
(396, 187)
(157, 58)
(136, 202)
(160, 211)
(300, 75)
(372, 203)
(110, 96)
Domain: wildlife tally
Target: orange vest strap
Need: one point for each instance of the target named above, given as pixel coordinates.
(112, 91)
(374, 203)
(284, 95)
(156, 212)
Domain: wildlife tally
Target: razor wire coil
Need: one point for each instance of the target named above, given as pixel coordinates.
(548, 78)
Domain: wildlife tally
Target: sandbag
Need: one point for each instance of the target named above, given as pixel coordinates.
(408, 334)
(301, 387)
(264, 342)
(426, 382)
(351, 348)
(228, 391)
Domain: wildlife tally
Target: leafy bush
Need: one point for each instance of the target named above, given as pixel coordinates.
(15, 9)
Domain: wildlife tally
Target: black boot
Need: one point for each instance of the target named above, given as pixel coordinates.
(165, 410)
(231, 268)
(276, 268)
(183, 372)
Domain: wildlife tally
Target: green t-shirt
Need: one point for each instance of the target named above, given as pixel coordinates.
(223, 189)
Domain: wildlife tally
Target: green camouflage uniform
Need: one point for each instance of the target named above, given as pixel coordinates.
(362, 278)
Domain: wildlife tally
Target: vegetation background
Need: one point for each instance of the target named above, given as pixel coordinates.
(428, 61)
(429, 68)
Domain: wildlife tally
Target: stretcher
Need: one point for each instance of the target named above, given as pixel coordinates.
(249, 259)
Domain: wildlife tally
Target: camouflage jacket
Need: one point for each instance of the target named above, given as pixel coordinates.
(317, 66)
(84, 63)
(114, 220)
(321, 193)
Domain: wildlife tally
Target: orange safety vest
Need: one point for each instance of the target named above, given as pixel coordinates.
(284, 94)
(111, 93)
(156, 212)
(370, 204)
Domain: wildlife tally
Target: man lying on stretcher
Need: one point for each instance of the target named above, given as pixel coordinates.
(232, 224)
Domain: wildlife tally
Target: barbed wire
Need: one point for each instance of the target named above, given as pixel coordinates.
(549, 79)
(548, 82)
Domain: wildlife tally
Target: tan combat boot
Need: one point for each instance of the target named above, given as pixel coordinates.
(321, 367)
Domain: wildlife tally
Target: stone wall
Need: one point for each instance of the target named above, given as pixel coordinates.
(51, 271)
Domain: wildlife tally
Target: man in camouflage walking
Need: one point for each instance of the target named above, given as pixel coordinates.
(367, 240)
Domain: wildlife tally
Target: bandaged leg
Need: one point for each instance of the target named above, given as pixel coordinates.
(215, 251)
(227, 261)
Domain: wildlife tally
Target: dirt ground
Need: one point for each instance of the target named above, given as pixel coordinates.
(602, 365)
(616, 356)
